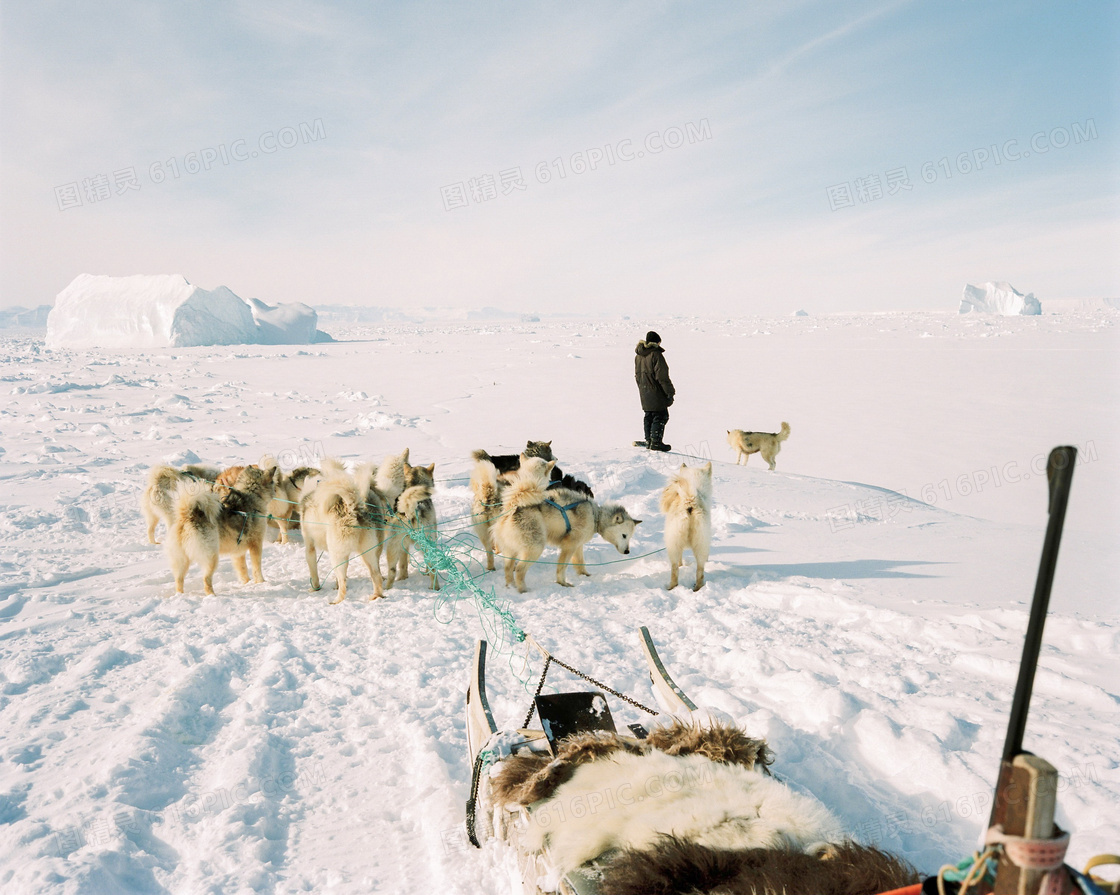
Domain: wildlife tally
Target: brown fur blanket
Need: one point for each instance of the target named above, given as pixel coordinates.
(525, 779)
(677, 867)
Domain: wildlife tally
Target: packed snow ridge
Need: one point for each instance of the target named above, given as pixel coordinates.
(998, 298)
(167, 311)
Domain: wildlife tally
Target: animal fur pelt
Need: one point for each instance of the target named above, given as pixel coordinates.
(719, 742)
(674, 866)
(629, 801)
(524, 779)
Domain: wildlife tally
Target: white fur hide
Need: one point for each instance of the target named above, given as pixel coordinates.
(627, 801)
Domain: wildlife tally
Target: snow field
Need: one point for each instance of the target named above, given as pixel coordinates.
(265, 741)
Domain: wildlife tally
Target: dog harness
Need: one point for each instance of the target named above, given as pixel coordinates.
(564, 511)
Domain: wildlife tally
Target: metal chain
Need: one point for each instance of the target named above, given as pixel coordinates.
(551, 658)
(540, 686)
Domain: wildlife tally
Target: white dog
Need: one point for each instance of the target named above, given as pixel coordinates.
(687, 505)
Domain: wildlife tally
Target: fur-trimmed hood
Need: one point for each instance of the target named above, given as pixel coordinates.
(645, 348)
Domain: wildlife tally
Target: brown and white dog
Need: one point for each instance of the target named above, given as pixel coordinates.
(766, 443)
(206, 525)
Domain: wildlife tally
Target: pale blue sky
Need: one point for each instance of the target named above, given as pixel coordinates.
(781, 200)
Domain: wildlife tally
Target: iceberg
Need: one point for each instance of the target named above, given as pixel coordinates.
(998, 298)
(167, 311)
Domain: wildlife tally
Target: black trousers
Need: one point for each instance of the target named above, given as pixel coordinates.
(655, 423)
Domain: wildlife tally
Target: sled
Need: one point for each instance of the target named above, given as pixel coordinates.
(486, 821)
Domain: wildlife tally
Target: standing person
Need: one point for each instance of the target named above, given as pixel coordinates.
(651, 372)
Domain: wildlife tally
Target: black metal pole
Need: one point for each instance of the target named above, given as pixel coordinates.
(1059, 474)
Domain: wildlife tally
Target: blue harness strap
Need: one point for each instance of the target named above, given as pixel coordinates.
(564, 511)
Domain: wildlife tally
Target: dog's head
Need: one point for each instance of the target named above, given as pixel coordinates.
(542, 449)
(617, 526)
(260, 483)
(420, 475)
(535, 469)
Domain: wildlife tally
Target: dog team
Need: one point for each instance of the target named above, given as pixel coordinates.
(210, 513)
(521, 504)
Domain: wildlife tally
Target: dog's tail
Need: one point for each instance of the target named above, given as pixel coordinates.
(201, 471)
(784, 434)
(523, 493)
(195, 520)
(364, 477)
(480, 456)
(530, 487)
(408, 504)
(484, 480)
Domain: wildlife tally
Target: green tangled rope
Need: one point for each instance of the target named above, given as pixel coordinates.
(450, 560)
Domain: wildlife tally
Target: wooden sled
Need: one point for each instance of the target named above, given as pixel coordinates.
(486, 821)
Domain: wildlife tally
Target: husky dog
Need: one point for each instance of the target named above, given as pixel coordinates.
(415, 511)
(486, 505)
(157, 500)
(687, 505)
(206, 525)
(391, 477)
(766, 443)
(520, 532)
(343, 515)
(506, 463)
(283, 510)
(572, 519)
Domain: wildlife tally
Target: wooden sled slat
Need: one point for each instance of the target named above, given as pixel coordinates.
(480, 720)
(672, 697)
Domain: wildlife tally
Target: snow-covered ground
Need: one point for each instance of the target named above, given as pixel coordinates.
(264, 741)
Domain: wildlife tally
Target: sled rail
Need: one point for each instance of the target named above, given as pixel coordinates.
(480, 720)
(671, 697)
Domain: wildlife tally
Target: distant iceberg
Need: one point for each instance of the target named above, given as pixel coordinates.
(167, 311)
(998, 298)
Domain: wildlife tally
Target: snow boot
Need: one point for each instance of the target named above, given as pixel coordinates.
(656, 432)
(647, 422)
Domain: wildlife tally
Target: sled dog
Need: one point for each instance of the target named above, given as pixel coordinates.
(157, 500)
(766, 443)
(507, 463)
(572, 519)
(486, 502)
(284, 508)
(520, 532)
(391, 477)
(343, 514)
(206, 525)
(414, 511)
(687, 505)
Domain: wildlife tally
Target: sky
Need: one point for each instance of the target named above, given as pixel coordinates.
(647, 157)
